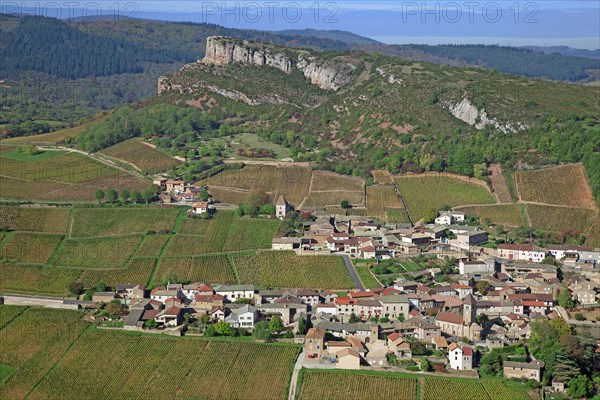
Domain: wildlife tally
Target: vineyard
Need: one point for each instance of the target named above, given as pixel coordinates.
(379, 198)
(36, 279)
(8, 313)
(246, 234)
(107, 252)
(424, 193)
(382, 177)
(438, 389)
(138, 270)
(508, 215)
(208, 269)
(323, 181)
(564, 185)
(575, 220)
(35, 248)
(91, 222)
(286, 269)
(291, 181)
(48, 220)
(142, 156)
(33, 343)
(593, 237)
(332, 198)
(334, 385)
(230, 196)
(366, 277)
(397, 216)
(194, 226)
(166, 369)
(152, 245)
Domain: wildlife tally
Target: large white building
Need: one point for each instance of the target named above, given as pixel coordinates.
(461, 357)
(450, 217)
(521, 252)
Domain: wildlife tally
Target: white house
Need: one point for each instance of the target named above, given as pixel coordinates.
(173, 186)
(476, 267)
(233, 292)
(450, 217)
(521, 252)
(243, 317)
(461, 357)
(200, 208)
(161, 294)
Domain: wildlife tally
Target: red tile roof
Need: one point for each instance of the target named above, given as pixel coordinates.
(205, 288)
(393, 336)
(450, 317)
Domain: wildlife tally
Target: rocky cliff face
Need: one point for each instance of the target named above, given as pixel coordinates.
(326, 75)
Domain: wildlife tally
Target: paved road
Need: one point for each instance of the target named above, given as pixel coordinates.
(352, 272)
(297, 368)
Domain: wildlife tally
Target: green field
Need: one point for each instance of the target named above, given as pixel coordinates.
(138, 270)
(91, 222)
(48, 220)
(143, 157)
(508, 215)
(366, 277)
(470, 389)
(355, 385)
(422, 194)
(44, 280)
(286, 269)
(52, 354)
(33, 248)
(152, 245)
(207, 269)
(250, 234)
(562, 219)
(106, 252)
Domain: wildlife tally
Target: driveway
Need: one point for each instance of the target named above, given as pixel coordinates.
(352, 271)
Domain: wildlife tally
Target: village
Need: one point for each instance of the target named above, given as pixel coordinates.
(489, 300)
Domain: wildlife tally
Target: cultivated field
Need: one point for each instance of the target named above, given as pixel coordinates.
(397, 215)
(339, 385)
(138, 270)
(381, 197)
(508, 215)
(250, 234)
(382, 176)
(323, 181)
(106, 252)
(564, 185)
(164, 369)
(8, 313)
(291, 181)
(230, 196)
(43, 280)
(286, 269)
(152, 245)
(575, 220)
(429, 192)
(469, 389)
(593, 237)
(499, 184)
(35, 248)
(143, 157)
(366, 277)
(208, 269)
(60, 177)
(332, 198)
(32, 344)
(49, 220)
(90, 222)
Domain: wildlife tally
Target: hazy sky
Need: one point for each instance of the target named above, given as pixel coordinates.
(574, 23)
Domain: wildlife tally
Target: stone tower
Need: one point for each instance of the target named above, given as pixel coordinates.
(469, 309)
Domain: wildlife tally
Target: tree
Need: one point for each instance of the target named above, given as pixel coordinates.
(136, 196)
(429, 216)
(204, 319)
(425, 365)
(579, 317)
(124, 196)
(114, 309)
(170, 277)
(210, 331)
(344, 204)
(353, 319)
(276, 324)
(222, 328)
(301, 326)
(482, 319)
(148, 195)
(580, 387)
(482, 287)
(150, 324)
(204, 195)
(76, 287)
(100, 195)
(30, 150)
(565, 299)
(112, 195)
(267, 209)
(261, 331)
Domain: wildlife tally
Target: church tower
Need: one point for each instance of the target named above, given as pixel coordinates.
(469, 309)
